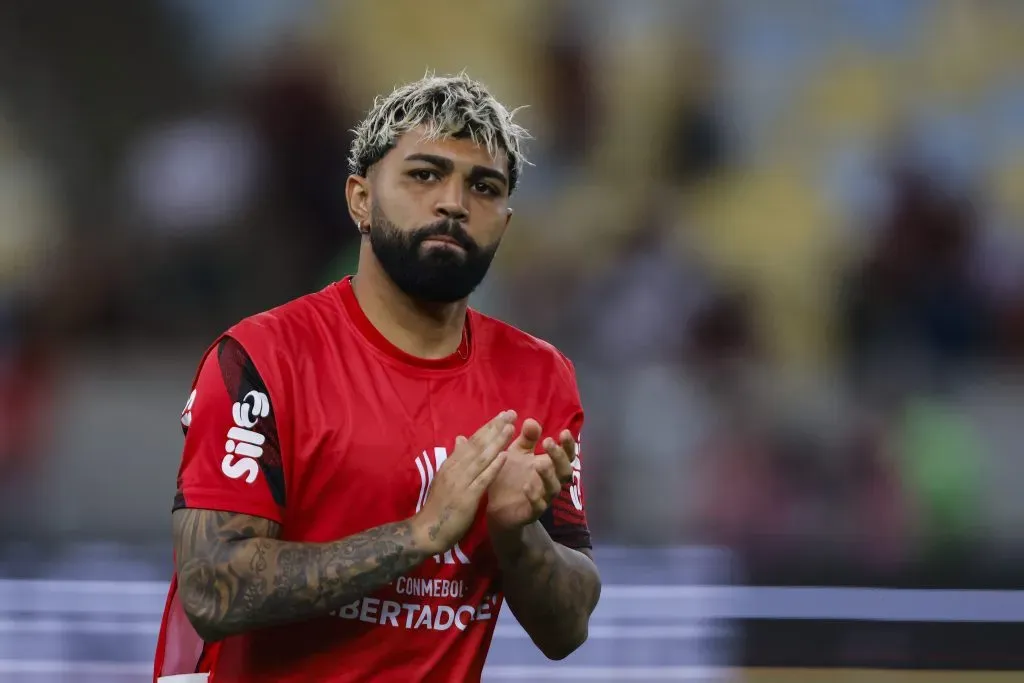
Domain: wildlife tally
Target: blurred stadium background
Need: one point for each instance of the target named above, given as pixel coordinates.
(796, 237)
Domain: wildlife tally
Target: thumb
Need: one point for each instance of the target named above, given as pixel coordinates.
(529, 436)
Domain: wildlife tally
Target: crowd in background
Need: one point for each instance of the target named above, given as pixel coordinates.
(794, 240)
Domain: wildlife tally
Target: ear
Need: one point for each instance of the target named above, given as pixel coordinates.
(508, 216)
(357, 194)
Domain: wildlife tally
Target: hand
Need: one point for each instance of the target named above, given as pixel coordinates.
(528, 483)
(460, 483)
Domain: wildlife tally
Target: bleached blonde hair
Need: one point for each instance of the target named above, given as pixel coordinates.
(445, 106)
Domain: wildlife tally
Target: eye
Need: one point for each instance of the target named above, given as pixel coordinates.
(424, 175)
(485, 188)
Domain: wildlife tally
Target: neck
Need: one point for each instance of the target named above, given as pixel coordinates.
(420, 329)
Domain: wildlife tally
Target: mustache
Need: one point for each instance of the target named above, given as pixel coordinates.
(449, 228)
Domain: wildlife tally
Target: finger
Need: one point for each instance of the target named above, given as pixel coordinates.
(486, 431)
(548, 477)
(490, 473)
(493, 426)
(560, 460)
(569, 444)
(534, 493)
(529, 436)
(492, 449)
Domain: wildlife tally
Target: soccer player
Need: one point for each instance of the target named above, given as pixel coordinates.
(369, 471)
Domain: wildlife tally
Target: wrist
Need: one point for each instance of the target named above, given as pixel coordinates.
(425, 536)
(508, 542)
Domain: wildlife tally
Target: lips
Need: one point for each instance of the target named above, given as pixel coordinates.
(444, 239)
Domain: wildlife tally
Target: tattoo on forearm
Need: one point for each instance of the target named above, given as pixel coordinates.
(551, 589)
(234, 575)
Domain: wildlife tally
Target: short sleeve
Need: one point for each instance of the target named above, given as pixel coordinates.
(232, 458)
(566, 518)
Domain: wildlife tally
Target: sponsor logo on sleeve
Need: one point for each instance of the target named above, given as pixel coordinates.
(245, 446)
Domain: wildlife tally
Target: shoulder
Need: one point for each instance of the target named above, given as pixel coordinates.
(508, 345)
(278, 341)
(294, 320)
(291, 328)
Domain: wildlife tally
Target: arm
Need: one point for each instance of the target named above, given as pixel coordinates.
(542, 539)
(235, 575)
(551, 589)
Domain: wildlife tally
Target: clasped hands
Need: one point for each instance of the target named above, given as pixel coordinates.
(528, 482)
(519, 483)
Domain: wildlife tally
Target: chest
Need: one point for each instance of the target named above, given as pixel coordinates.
(367, 453)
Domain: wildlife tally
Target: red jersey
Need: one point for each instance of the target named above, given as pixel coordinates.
(308, 416)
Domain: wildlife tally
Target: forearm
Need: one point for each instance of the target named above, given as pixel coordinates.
(551, 589)
(244, 581)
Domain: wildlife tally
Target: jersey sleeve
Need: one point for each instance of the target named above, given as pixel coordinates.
(566, 518)
(232, 458)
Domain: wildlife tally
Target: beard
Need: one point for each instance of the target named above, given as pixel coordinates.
(432, 275)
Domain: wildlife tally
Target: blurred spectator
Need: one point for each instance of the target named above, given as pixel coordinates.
(188, 182)
(697, 138)
(27, 384)
(1012, 328)
(303, 119)
(639, 309)
(723, 338)
(882, 520)
(916, 292)
(741, 494)
(568, 93)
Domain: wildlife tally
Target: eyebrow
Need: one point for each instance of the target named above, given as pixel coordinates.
(447, 165)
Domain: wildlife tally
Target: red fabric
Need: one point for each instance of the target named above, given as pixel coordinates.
(362, 427)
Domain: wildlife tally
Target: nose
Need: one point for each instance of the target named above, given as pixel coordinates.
(451, 203)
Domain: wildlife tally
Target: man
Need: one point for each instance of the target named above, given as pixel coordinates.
(333, 521)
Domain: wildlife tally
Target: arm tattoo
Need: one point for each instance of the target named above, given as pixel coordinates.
(234, 575)
(551, 589)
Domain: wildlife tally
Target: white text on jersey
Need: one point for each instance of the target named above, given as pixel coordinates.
(574, 490)
(244, 446)
(413, 615)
